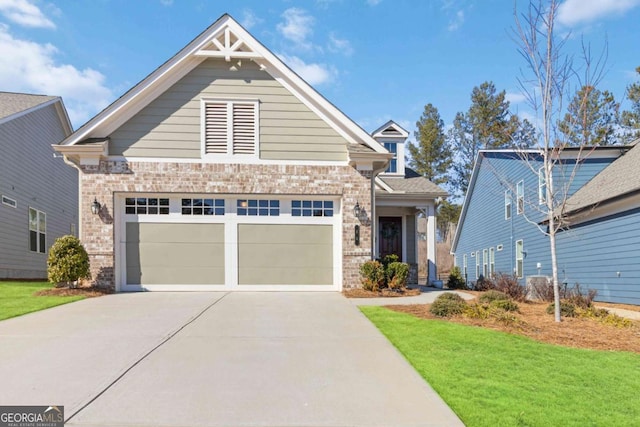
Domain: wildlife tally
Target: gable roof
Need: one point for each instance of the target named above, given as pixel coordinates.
(618, 179)
(390, 130)
(13, 103)
(223, 39)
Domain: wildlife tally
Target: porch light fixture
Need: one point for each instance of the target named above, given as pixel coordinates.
(95, 206)
(357, 211)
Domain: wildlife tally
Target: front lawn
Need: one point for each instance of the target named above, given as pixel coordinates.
(16, 298)
(492, 378)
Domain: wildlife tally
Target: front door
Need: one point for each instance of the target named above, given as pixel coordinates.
(390, 236)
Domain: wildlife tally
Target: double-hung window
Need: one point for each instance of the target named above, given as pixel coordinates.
(230, 127)
(507, 205)
(477, 264)
(464, 266)
(542, 187)
(519, 258)
(392, 148)
(520, 196)
(492, 262)
(37, 230)
(485, 265)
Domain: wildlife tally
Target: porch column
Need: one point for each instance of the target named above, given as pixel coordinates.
(432, 271)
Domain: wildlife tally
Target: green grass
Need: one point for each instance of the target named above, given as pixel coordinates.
(16, 298)
(491, 378)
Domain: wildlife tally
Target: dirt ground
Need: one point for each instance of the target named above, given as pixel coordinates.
(387, 293)
(534, 322)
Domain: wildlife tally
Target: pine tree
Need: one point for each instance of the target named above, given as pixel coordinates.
(591, 119)
(630, 119)
(431, 157)
(487, 125)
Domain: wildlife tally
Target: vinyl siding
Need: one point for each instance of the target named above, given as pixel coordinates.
(31, 175)
(170, 126)
(485, 226)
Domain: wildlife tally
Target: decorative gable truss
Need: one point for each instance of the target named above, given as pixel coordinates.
(227, 45)
(230, 127)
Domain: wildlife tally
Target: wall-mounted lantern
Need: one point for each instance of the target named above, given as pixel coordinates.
(95, 207)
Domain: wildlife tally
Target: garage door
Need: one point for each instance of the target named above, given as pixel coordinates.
(284, 254)
(166, 254)
(206, 242)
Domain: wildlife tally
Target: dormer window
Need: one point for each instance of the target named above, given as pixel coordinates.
(392, 147)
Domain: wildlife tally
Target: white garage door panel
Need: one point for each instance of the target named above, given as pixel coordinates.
(285, 254)
(189, 254)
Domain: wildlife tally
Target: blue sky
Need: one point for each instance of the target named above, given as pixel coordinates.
(374, 59)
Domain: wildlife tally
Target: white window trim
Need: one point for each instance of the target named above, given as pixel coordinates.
(492, 261)
(542, 187)
(12, 203)
(477, 264)
(229, 156)
(508, 202)
(37, 230)
(520, 196)
(464, 266)
(485, 263)
(519, 257)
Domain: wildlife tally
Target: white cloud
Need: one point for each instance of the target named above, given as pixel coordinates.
(515, 97)
(24, 13)
(337, 45)
(312, 73)
(573, 12)
(297, 27)
(249, 19)
(457, 21)
(26, 66)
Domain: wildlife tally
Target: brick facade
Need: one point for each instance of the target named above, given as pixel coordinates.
(103, 181)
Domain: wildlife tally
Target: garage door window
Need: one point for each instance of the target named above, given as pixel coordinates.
(202, 206)
(312, 208)
(146, 206)
(250, 207)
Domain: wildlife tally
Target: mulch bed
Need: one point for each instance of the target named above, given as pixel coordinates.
(88, 292)
(535, 323)
(383, 293)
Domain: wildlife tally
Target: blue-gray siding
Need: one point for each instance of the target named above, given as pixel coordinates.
(586, 255)
(31, 175)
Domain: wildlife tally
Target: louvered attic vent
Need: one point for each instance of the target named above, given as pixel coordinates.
(230, 127)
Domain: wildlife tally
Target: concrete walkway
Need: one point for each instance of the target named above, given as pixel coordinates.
(213, 359)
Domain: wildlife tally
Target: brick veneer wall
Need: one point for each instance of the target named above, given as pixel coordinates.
(109, 177)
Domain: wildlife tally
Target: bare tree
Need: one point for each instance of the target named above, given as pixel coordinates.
(545, 82)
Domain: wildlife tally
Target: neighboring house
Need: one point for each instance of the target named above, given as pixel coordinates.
(599, 243)
(39, 193)
(223, 169)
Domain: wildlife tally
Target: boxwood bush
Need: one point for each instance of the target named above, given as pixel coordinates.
(68, 262)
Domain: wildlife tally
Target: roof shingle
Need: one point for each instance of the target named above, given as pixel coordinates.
(12, 103)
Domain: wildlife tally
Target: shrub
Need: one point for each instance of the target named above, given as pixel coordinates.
(505, 304)
(566, 309)
(67, 262)
(388, 259)
(483, 284)
(397, 273)
(577, 298)
(372, 274)
(509, 285)
(604, 316)
(492, 295)
(448, 304)
(476, 311)
(456, 281)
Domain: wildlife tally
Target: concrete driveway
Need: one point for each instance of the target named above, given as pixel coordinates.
(213, 359)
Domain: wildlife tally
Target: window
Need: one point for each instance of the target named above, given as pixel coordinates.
(492, 262)
(202, 206)
(507, 205)
(146, 206)
(477, 264)
(259, 207)
(392, 147)
(520, 195)
(37, 230)
(9, 202)
(542, 187)
(519, 258)
(485, 265)
(230, 127)
(311, 208)
(464, 266)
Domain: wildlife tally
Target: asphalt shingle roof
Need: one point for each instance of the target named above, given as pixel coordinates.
(12, 103)
(413, 182)
(619, 178)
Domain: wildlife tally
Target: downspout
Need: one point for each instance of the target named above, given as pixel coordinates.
(374, 228)
(75, 166)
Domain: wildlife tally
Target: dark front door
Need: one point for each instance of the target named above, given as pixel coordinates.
(390, 236)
